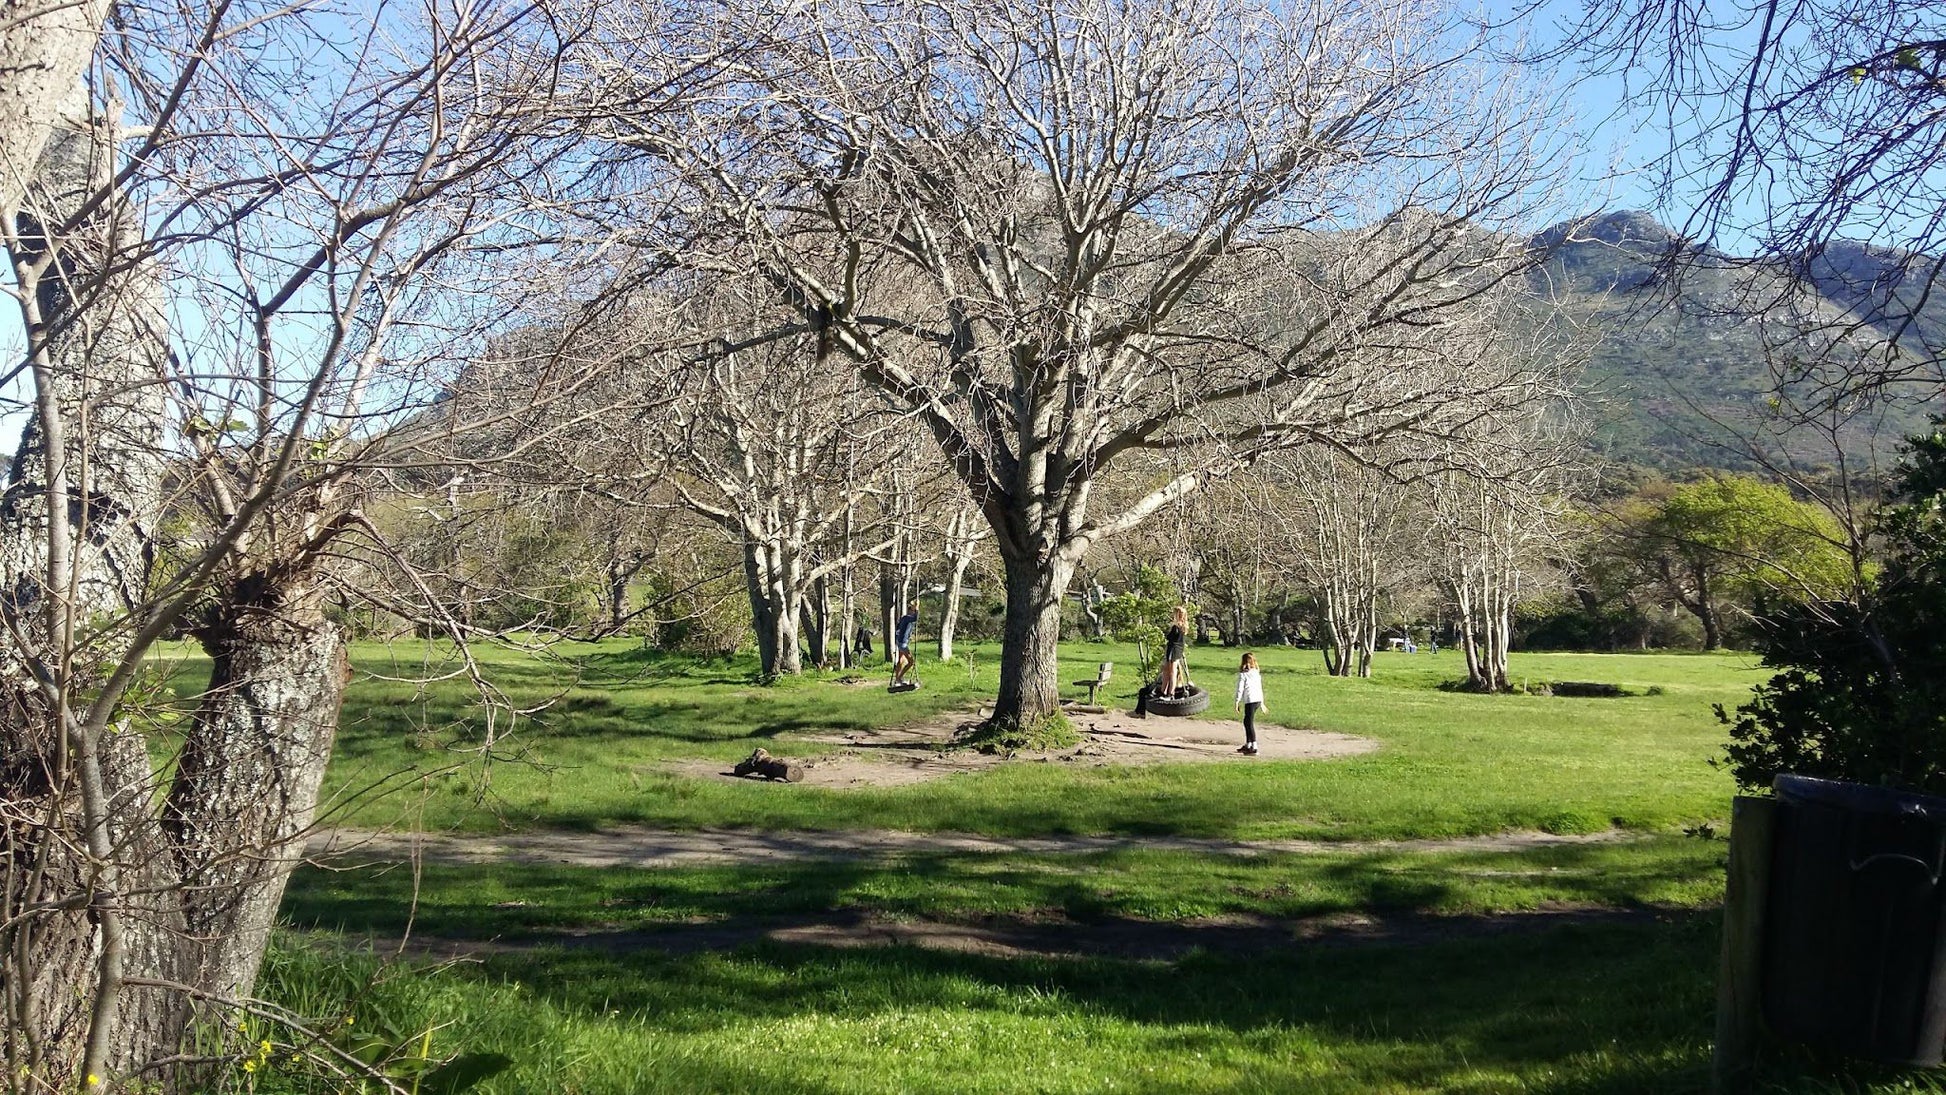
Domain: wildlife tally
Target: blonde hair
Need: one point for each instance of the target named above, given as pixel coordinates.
(1181, 613)
(1249, 662)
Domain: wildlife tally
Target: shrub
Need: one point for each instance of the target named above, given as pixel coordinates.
(1860, 692)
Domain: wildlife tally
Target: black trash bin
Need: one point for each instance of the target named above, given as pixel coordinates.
(1853, 961)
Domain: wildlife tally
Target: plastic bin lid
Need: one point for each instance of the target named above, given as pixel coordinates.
(1857, 797)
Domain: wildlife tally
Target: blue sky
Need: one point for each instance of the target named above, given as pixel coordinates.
(1620, 172)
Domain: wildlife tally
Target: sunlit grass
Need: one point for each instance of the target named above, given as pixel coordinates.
(1449, 763)
(1602, 1006)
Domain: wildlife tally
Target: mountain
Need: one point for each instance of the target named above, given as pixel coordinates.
(1688, 344)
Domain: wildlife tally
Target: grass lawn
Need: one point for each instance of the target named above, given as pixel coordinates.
(1618, 998)
(1449, 763)
(1581, 1010)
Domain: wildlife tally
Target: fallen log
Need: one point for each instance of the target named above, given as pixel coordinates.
(762, 764)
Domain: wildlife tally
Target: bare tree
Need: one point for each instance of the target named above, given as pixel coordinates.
(1498, 525)
(1358, 534)
(1118, 229)
(762, 438)
(310, 229)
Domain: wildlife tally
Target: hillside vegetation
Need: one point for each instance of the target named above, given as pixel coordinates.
(1681, 351)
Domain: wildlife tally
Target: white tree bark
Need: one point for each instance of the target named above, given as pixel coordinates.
(45, 47)
(1130, 230)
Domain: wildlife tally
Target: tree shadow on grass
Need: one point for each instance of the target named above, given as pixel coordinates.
(1264, 898)
(1616, 1009)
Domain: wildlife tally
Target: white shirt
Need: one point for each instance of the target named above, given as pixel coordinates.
(1250, 687)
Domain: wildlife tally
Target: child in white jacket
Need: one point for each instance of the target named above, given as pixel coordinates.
(1250, 700)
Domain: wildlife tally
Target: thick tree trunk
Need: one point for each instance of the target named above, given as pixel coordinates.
(774, 607)
(87, 882)
(246, 786)
(195, 892)
(43, 53)
(1030, 678)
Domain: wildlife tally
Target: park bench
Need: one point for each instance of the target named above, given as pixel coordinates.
(1101, 677)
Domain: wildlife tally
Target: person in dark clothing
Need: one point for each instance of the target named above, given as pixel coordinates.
(861, 644)
(902, 660)
(1175, 653)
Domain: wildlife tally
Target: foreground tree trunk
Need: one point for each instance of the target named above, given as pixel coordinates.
(85, 873)
(1030, 678)
(43, 54)
(246, 787)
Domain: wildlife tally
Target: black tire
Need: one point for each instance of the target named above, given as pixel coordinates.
(1197, 701)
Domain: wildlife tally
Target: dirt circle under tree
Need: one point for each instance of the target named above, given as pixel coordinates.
(897, 756)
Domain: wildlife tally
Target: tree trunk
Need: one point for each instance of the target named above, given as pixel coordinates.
(88, 887)
(247, 781)
(949, 613)
(1091, 597)
(42, 55)
(1030, 678)
(1706, 612)
(774, 608)
(888, 606)
(848, 613)
(622, 569)
(817, 622)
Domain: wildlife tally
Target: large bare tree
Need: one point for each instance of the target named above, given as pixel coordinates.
(1062, 236)
(204, 477)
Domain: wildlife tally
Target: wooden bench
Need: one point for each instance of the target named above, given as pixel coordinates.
(1106, 671)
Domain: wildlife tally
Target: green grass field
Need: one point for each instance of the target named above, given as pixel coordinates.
(1450, 763)
(1573, 968)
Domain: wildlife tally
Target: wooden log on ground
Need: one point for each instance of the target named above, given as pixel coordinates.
(762, 764)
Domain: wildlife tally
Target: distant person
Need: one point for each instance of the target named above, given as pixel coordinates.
(1250, 700)
(861, 643)
(1432, 643)
(1175, 653)
(902, 660)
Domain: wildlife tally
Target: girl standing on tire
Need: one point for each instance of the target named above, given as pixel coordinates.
(1250, 700)
(1175, 653)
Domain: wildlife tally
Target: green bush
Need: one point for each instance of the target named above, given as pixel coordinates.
(1860, 692)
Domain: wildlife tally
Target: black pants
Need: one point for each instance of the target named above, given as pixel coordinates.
(1250, 722)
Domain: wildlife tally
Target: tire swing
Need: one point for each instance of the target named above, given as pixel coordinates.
(1194, 702)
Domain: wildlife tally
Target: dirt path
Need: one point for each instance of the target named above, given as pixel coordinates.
(919, 752)
(1020, 937)
(1043, 936)
(641, 847)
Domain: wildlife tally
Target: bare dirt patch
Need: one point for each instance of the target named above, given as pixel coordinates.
(898, 756)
